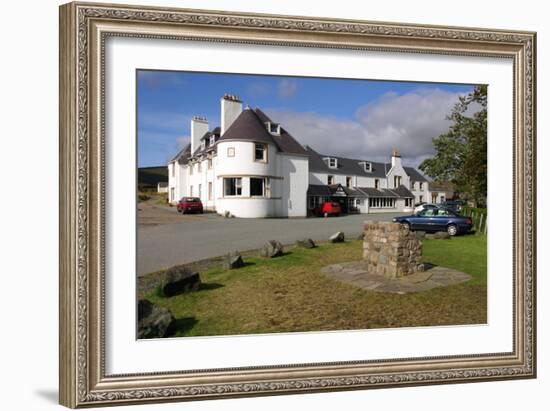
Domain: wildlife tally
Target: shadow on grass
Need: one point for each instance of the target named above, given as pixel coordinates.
(181, 326)
(210, 286)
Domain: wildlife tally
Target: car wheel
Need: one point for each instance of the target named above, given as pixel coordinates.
(452, 230)
(406, 225)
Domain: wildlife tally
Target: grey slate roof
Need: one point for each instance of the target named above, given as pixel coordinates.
(250, 126)
(346, 166)
(414, 174)
(319, 190)
(403, 192)
(285, 142)
(375, 192)
(371, 192)
(183, 155)
(350, 166)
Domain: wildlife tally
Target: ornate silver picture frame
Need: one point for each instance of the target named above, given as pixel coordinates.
(84, 30)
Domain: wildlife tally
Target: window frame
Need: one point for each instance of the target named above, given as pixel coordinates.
(263, 180)
(264, 151)
(396, 181)
(230, 151)
(330, 179)
(238, 187)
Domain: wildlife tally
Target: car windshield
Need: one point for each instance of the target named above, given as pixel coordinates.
(190, 200)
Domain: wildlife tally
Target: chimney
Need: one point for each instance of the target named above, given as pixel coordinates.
(395, 157)
(231, 107)
(199, 127)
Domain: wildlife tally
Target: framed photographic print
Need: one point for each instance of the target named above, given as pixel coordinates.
(259, 204)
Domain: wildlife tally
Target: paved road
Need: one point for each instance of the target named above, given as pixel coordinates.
(205, 236)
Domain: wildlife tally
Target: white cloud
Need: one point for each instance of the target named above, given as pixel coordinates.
(258, 89)
(407, 122)
(287, 88)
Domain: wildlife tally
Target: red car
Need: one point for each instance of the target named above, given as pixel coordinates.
(329, 208)
(190, 205)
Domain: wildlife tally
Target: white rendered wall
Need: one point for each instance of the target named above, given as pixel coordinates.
(242, 165)
(398, 170)
(295, 171)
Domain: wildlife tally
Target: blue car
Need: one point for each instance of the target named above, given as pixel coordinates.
(438, 219)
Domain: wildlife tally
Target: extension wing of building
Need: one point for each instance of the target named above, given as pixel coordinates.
(252, 167)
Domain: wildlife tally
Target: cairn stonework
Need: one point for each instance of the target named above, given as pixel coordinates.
(391, 250)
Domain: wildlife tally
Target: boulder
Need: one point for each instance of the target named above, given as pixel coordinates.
(420, 234)
(272, 249)
(179, 280)
(442, 235)
(305, 243)
(429, 236)
(233, 260)
(153, 321)
(337, 237)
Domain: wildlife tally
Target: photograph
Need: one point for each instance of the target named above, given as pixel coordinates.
(268, 203)
(284, 204)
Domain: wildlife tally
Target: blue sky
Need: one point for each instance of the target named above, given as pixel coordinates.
(353, 118)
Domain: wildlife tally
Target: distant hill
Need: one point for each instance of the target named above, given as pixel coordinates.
(149, 177)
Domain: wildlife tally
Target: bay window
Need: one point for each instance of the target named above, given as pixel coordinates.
(232, 186)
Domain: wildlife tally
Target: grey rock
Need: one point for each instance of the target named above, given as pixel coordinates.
(305, 243)
(153, 321)
(430, 236)
(442, 235)
(337, 237)
(420, 234)
(232, 261)
(179, 280)
(272, 249)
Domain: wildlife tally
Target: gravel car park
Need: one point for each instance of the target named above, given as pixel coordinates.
(178, 239)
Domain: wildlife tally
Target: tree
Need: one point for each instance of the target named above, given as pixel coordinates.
(461, 152)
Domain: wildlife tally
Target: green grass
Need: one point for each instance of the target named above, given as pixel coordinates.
(288, 294)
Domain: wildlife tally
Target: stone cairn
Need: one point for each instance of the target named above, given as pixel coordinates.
(391, 250)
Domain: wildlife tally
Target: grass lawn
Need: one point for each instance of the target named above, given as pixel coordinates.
(288, 293)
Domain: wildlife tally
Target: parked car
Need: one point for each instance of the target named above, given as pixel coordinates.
(329, 208)
(423, 206)
(436, 219)
(453, 205)
(190, 205)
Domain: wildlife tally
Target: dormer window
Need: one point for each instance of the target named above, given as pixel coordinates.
(366, 166)
(273, 128)
(212, 140)
(203, 145)
(331, 162)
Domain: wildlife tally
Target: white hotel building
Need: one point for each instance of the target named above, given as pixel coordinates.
(252, 167)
